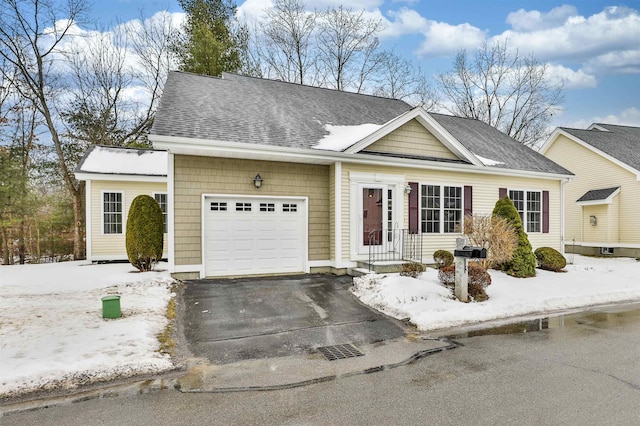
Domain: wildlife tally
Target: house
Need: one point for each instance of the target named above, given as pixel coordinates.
(114, 177)
(268, 177)
(602, 202)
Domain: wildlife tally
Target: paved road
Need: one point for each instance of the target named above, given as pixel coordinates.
(577, 370)
(232, 320)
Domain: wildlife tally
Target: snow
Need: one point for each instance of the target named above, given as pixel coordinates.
(430, 306)
(342, 137)
(52, 334)
(125, 161)
(488, 161)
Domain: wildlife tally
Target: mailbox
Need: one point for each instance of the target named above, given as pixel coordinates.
(471, 252)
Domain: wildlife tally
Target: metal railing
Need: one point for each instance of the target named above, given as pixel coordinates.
(389, 245)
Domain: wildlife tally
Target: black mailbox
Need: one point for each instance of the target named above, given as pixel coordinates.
(471, 252)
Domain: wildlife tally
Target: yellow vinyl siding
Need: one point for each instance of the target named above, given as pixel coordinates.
(195, 176)
(599, 232)
(332, 216)
(485, 195)
(113, 246)
(595, 172)
(412, 139)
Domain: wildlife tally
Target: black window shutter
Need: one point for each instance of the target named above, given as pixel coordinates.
(413, 208)
(545, 212)
(468, 201)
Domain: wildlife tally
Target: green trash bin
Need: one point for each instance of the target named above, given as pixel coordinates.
(111, 307)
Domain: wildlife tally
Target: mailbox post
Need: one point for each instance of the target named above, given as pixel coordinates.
(462, 254)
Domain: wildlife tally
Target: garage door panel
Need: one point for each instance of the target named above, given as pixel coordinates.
(254, 236)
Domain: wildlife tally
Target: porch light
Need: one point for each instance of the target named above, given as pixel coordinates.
(593, 220)
(257, 181)
(407, 189)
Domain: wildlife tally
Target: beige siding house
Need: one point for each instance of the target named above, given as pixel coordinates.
(266, 177)
(602, 201)
(114, 177)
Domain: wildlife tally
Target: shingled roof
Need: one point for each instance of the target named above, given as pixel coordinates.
(495, 148)
(620, 142)
(235, 108)
(598, 194)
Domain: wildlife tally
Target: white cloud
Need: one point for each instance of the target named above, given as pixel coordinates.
(442, 39)
(534, 20)
(569, 78)
(626, 117)
(405, 21)
(607, 41)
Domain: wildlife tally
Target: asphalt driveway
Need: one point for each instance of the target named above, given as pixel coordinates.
(229, 320)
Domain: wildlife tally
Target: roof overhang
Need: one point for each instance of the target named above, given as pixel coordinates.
(559, 132)
(429, 123)
(215, 148)
(119, 177)
(607, 200)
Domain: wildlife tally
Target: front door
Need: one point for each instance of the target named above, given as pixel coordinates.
(376, 216)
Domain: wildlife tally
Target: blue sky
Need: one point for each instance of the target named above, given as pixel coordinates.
(593, 46)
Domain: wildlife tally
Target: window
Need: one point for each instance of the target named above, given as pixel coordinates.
(243, 207)
(267, 207)
(292, 208)
(161, 198)
(529, 206)
(440, 208)
(218, 207)
(112, 212)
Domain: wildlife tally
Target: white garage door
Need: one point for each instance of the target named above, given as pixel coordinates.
(254, 235)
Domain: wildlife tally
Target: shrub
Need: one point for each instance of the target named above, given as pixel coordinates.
(550, 259)
(477, 282)
(412, 269)
(523, 262)
(495, 234)
(443, 258)
(145, 233)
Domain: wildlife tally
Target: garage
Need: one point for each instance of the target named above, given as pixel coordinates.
(250, 235)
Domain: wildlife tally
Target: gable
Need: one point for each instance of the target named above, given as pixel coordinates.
(412, 139)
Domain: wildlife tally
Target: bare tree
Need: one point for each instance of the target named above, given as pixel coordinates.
(287, 47)
(398, 78)
(345, 42)
(30, 33)
(507, 91)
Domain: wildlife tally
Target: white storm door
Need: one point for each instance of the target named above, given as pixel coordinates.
(376, 217)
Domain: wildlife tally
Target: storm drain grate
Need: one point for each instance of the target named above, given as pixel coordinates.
(335, 352)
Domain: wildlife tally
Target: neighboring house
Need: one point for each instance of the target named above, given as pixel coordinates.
(267, 177)
(602, 202)
(114, 177)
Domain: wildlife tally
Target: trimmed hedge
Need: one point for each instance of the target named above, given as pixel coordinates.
(523, 262)
(479, 279)
(412, 269)
(145, 233)
(443, 258)
(550, 259)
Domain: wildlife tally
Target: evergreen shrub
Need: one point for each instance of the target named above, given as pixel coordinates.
(412, 269)
(523, 261)
(145, 233)
(550, 259)
(443, 258)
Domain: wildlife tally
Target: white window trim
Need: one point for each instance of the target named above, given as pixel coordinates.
(166, 194)
(124, 218)
(524, 214)
(441, 185)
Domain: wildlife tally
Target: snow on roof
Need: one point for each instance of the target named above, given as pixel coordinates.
(488, 161)
(125, 161)
(342, 137)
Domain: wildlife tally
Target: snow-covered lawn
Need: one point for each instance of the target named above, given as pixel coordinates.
(52, 334)
(430, 306)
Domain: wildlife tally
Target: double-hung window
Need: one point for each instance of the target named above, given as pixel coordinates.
(112, 212)
(161, 198)
(440, 209)
(529, 206)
